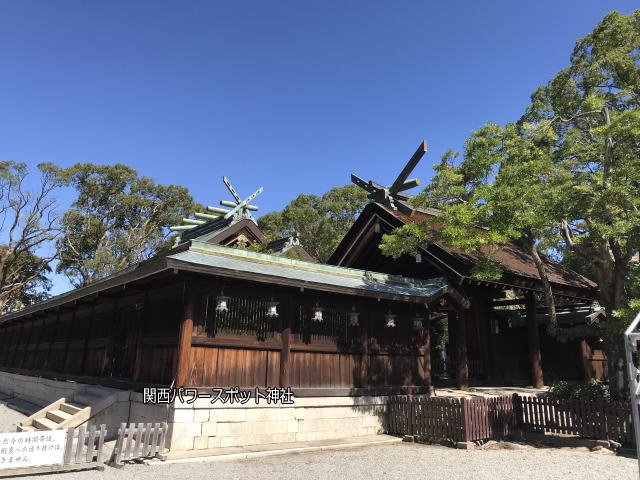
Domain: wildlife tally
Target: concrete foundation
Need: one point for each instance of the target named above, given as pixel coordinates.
(204, 425)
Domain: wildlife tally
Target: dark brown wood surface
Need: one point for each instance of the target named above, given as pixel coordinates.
(535, 355)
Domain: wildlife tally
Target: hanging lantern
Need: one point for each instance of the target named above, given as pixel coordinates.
(418, 257)
(317, 314)
(417, 322)
(353, 317)
(272, 310)
(221, 304)
(496, 326)
(390, 318)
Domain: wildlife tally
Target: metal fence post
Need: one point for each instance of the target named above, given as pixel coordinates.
(631, 345)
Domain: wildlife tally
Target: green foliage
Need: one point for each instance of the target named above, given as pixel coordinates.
(321, 222)
(565, 178)
(119, 218)
(30, 273)
(590, 390)
(440, 333)
(28, 226)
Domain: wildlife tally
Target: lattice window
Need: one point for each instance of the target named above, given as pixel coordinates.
(334, 327)
(243, 317)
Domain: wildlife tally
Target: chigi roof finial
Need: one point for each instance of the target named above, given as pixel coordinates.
(389, 195)
(239, 209)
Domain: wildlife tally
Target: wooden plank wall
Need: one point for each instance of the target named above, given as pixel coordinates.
(242, 346)
(84, 339)
(132, 336)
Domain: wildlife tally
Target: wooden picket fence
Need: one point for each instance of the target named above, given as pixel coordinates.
(465, 420)
(429, 417)
(590, 419)
(143, 440)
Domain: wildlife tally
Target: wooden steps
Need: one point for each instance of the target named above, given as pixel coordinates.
(66, 414)
(43, 423)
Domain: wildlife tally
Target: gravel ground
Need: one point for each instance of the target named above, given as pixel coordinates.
(395, 461)
(9, 418)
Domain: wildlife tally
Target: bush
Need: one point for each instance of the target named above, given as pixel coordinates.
(590, 390)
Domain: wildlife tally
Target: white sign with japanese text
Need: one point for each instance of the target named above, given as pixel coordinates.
(32, 449)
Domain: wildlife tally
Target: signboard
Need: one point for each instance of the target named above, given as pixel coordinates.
(32, 449)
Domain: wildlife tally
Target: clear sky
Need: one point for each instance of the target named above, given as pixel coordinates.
(290, 95)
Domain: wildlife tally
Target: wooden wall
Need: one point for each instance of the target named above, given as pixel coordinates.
(243, 346)
(131, 335)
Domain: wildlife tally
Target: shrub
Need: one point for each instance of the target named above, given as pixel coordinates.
(590, 390)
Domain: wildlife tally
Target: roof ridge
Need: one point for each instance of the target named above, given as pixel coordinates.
(302, 264)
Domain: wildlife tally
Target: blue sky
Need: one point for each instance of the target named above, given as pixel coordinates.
(289, 95)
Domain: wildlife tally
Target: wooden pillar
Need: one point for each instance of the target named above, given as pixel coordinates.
(285, 337)
(427, 354)
(85, 348)
(52, 336)
(68, 341)
(363, 367)
(462, 364)
(496, 373)
(183, 366)
(585, 355)
(535, 357)
(141, 323)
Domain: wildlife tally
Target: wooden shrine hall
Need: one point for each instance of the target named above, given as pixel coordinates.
(207, 314)
(484, 341)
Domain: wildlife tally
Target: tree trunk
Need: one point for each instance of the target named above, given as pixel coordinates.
(546, 285)
(611, 280)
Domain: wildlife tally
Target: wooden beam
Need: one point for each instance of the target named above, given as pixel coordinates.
(514, 301)
(183, 366)
(535, 357)
(406, 171)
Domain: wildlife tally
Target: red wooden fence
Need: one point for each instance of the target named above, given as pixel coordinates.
(465, 420)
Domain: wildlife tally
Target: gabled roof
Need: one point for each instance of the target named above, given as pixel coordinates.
(516, 263)
(245, 264)
(207, 258)
(288, 246)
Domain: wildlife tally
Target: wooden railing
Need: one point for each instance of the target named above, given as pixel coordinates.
(466, 420)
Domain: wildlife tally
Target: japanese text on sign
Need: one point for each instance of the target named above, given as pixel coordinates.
(31, 449)
(223, 395)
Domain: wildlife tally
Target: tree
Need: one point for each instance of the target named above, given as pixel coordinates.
(28, 222)
(567, 175)
(321, 222)
(593, 105)
(505, 188)
(119, 218)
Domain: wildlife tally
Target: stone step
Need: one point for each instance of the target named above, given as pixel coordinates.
(58, 416)
(71, 408)
(44, 423)
(26, 428)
